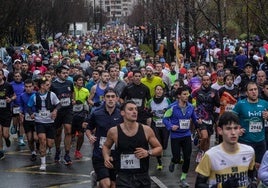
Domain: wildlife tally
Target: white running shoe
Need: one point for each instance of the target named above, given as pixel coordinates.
(43, 167)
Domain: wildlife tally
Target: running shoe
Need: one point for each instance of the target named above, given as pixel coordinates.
(57, 156)
(78, 154)
(159, 167)
(67, 159)
(199, 156)
(93, 177)
(181, 159)
(171, 167)
(33, 157)
(184, 184)
(21, 141)
(8, 143)
(43, 167)
(2, 155)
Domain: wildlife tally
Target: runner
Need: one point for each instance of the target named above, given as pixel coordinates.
(26, 120)
(80, 109)
(64, 90)
(206, 101)
(132, 141)
(46, 105)
(157, 106)
(7, 95)
(251, 112)
(18, 87)
(177, 120)
(139, 93)
(229, 164)
(99, 122)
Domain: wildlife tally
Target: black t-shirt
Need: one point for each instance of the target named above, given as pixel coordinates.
(6, 90)
(64, 91)
(137, 93)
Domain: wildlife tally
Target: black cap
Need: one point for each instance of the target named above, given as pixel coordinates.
(193, 64)
(248, 65)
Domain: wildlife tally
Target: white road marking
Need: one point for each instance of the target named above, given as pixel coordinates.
(158, 182)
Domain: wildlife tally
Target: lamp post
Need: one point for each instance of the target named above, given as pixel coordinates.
(95, 21)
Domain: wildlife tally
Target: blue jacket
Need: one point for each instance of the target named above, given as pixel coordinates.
(175, 116)
(102, 121)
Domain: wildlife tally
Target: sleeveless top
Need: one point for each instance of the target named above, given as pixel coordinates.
(126, 145)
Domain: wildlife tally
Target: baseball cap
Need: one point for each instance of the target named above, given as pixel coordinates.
(17, 60)
(248, 65)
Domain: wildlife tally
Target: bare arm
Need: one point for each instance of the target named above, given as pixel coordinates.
(154, 143)
(106, 148)
(92, 93)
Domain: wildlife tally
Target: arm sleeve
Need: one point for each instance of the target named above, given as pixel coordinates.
(263, 170)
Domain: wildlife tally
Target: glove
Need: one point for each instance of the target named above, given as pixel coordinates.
(252, 183)
(97, 103)
(232, 182)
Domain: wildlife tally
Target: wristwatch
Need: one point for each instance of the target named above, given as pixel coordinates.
(150, 152)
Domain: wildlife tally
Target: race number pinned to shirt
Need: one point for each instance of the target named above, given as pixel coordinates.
(3, 103)
(44, 114)
(138, 102)
(16, 110)
(184, 124)
(229, 107)
(129, 161)
(159, 123)
(65, 101)
(102, 140)
(28, 117)
(255, 126)
(78, 107)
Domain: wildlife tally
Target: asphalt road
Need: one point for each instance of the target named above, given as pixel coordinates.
(16, 170)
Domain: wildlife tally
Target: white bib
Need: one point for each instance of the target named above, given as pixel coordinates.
(208, 122)
(3, 103)
(78, 107)
(255, 127)
(229, 107)
(159, 123)
(28, 117)
(137, 101)
(102, 140)
(184, 124)
(129, 161)
(265, 123)
(44, 114)
(16, 110)
(65, 101)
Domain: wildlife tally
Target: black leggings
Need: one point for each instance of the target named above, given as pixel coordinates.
(185, 144)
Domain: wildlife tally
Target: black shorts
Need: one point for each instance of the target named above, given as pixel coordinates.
(29, 126)
(5, 119)
(101, 171)
(208, 127)
(77, 123)
(63, 117)
(47, 128)
(128, 180)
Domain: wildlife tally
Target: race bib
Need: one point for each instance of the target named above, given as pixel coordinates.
(102, 140)
(265, 123)
(255, 127)
(184, 124)
(16, 110)
(78, 107)
(159, 123)
(208, 122)
(229, 107)
(3, 103)
(65, 102)
(129, 161)
(44, 114)
(28, 117)
(137, 101)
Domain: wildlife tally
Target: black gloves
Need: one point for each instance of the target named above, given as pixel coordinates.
(97, 103)
(232, 182)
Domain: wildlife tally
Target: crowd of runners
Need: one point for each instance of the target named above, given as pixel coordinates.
(129, 104)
